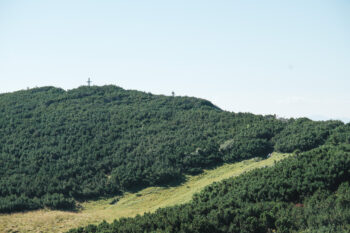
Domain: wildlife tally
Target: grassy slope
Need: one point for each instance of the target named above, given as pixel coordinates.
(131, 204)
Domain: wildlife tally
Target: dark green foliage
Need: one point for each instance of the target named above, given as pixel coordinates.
(243, 148)
(58, 201)
(13, 203)
(340, 135)
(57, 146)
(309, 192)
(304, 134)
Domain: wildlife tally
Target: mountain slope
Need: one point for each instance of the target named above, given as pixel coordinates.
(128, 205)
(309, 192)
(59, 146)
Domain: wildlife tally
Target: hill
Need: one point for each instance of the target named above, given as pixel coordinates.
(58, 147)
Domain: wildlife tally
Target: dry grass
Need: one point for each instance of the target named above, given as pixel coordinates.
(131, 204)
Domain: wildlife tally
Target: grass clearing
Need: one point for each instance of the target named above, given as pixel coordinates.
(131, 204)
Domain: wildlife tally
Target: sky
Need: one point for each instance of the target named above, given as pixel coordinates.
(290, 58)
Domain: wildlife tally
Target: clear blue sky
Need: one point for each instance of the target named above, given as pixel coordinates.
(291, 58)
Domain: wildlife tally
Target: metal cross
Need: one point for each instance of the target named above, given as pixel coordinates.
(89, 82)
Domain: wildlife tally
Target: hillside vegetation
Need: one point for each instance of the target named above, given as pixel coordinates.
(128, 205)
(58, 147)
(309, 192)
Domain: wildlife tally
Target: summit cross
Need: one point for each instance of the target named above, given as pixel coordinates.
(89, 82)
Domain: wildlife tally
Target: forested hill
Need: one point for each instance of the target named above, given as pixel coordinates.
(59, 146)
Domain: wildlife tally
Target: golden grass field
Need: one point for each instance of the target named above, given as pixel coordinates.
(131, 204)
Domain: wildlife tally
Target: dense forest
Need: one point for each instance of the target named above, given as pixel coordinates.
(57, 147)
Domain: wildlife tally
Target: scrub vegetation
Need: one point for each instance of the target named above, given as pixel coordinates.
(130, 204)
(59, 148)
(308, 192)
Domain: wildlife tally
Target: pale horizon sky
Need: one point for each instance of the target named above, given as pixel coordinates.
(290, 58)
